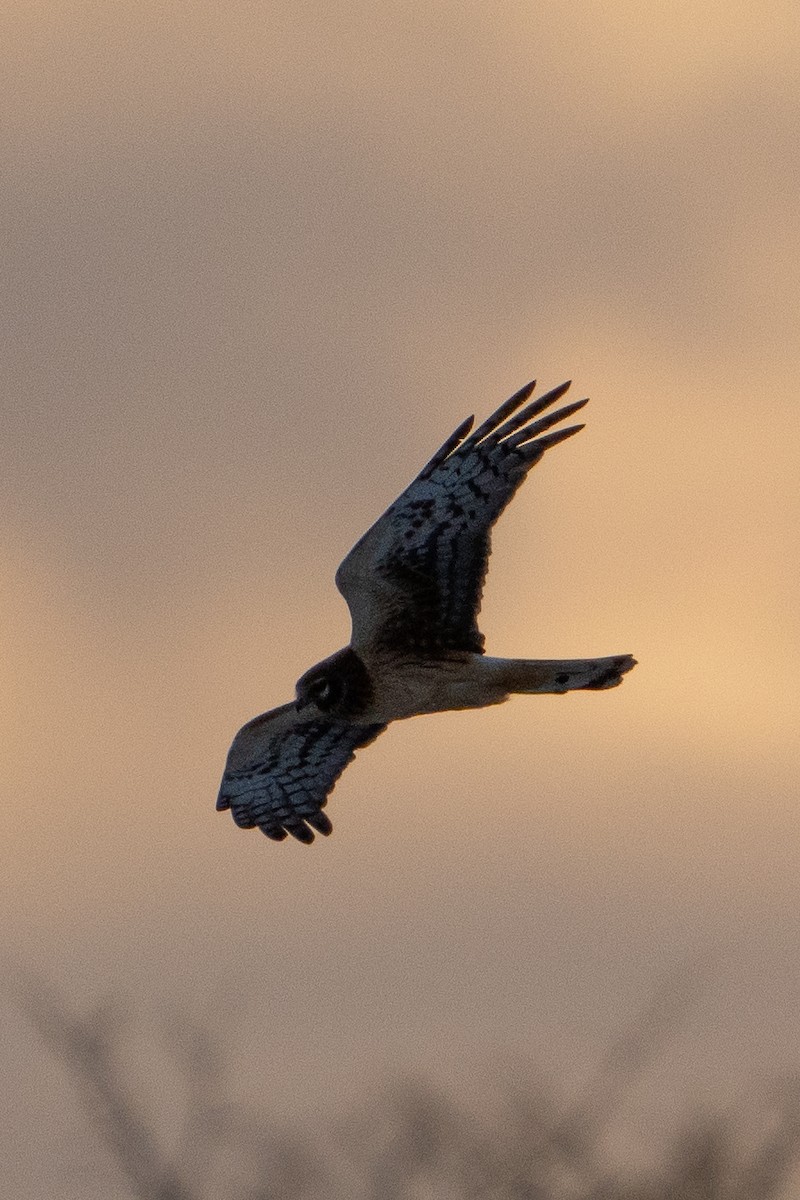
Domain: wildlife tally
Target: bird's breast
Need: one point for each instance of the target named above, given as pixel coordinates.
(410, 687)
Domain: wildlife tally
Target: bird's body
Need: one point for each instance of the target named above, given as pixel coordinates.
(413, 584)
(377, 689)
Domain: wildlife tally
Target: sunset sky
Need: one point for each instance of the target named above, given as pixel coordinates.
(260, 259)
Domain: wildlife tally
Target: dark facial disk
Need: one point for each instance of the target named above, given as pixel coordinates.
(340, 686)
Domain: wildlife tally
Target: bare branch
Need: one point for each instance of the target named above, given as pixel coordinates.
(84, 1045)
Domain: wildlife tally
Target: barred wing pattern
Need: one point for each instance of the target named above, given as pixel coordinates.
(281, 768)
(414, 580)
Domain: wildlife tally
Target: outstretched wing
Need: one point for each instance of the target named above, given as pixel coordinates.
(414, 580)
(281, 768)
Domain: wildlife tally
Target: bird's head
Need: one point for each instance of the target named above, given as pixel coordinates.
(339, 685)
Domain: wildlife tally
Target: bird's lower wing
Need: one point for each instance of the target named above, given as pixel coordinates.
(281, 768)
(414, 580)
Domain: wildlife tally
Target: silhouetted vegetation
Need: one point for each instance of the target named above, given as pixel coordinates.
(411, 1143)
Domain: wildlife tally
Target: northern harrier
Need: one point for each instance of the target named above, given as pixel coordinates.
(413, 585)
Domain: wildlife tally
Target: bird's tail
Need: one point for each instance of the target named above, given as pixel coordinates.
(558, 675)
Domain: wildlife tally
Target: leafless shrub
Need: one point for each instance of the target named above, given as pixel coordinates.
(412, 1142)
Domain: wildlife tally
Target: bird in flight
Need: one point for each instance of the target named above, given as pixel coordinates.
(413, 585)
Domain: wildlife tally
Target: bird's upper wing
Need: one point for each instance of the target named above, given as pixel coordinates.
(281, 767)
(414, 580)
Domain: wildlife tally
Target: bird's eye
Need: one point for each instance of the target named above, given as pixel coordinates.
(325, 692)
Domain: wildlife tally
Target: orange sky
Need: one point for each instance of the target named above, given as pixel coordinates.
(261, 259)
